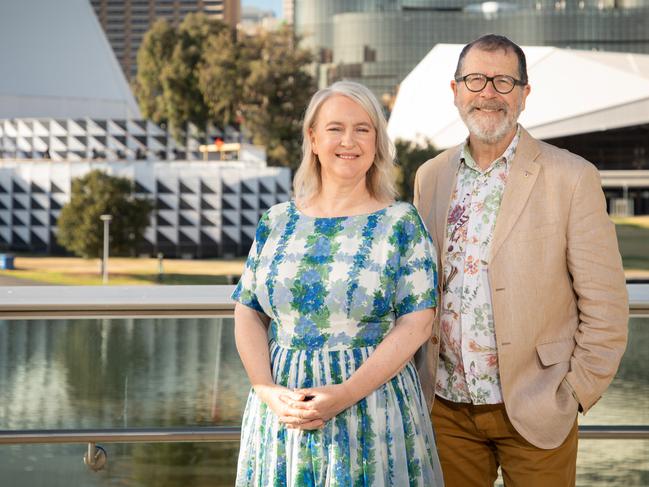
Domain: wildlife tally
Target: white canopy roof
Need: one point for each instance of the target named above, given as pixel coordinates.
(573, 92)
(57, 63)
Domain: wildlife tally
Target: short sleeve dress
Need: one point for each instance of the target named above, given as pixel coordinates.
(333, 288)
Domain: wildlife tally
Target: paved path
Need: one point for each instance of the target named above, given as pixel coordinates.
(15, 281)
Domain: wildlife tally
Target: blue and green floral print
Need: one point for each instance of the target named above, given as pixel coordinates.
(333, 288)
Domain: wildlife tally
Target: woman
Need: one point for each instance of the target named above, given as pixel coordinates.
(337, 294)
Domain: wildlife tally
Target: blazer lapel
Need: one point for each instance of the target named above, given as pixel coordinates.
(443, 191)
(521, 178)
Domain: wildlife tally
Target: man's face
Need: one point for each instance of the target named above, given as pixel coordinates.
(489, 115)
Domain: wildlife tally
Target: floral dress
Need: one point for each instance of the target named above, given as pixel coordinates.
(333, 288)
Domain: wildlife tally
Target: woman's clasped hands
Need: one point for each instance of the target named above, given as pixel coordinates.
(308, 408)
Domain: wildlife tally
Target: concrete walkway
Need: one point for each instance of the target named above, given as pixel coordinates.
(15, 281)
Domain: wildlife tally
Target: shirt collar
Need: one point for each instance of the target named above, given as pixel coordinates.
(506, 157)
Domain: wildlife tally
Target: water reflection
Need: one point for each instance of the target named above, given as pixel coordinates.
(119, 373)
(186, 372)
(623, 463)
(132, 465)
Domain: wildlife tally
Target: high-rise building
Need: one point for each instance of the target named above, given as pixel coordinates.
(378, 42)
(287, 11)
(255, 20)
(126, 21)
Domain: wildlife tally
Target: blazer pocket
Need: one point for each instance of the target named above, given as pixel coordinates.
(551, 353)
(539, 233)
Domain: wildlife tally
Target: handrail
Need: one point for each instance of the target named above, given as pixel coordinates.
(638, 299)
(26, 302)
(232, 434)
(614, 432)
(123, 435)
(96, 457)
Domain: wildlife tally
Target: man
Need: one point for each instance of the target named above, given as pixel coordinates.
(533, 317)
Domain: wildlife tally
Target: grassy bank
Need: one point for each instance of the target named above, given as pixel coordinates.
(125, 271)
(633, 237)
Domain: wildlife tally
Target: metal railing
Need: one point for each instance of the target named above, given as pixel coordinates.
(123, 435)
(232, 434)
(96, 456)
(209, 301)
(25, 302)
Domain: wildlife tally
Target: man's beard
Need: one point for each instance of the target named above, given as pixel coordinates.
(484, 128)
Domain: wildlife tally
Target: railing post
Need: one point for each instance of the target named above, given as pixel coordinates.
(95, 457)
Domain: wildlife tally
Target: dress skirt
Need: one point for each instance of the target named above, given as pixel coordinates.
(383, 440)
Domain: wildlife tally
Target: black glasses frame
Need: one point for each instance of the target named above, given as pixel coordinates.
(515, 82)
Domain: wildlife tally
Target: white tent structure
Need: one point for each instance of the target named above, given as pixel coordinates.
(573, 92)
(57, 63)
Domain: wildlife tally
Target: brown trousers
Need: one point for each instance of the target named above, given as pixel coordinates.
(473, 441)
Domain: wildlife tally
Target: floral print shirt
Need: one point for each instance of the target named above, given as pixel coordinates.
(468, 366)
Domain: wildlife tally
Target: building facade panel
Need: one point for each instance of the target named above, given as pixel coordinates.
(219, 223)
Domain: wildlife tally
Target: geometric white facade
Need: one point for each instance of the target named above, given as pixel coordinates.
(202, 208)
(102, 139)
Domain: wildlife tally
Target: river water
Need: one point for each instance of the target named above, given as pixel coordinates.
(114, 373)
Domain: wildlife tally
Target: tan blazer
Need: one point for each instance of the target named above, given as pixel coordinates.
(557, 285)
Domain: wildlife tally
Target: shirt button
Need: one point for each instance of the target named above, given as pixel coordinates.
(434, 340)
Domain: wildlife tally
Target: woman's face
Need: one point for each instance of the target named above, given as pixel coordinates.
(344, 139)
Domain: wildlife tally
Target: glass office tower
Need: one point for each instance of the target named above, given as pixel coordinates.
(379, 42)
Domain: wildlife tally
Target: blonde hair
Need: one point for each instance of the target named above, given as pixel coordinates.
(380, 179)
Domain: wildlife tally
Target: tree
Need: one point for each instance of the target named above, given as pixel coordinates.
(80, 229)
(152, 57)
(168, 88)
(221, 77)
(180, 78)
(409, 157)
(202, 73)
(275, 96)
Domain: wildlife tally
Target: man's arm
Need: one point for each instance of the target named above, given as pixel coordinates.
(415, 191)
(598, 281)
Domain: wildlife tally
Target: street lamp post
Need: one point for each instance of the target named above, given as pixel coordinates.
(104, 260)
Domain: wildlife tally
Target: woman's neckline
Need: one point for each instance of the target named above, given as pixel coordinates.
(365, 214)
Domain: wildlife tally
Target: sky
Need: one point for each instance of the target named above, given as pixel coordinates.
(275, 5)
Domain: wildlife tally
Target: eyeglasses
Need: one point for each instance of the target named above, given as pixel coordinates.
(502, 83)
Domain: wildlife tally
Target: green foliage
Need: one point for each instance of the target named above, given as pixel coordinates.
(633, 235)
(221, 77)
(180, 77)
(167, 83)
(96, 194)
(200, 73)
(409, 157)
(276, 93)
(154, 54)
